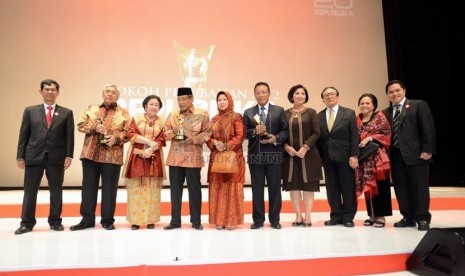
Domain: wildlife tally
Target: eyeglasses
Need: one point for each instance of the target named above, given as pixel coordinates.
(111, 91)
(329, 95)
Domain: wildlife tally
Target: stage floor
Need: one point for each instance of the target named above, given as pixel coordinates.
(94, 248)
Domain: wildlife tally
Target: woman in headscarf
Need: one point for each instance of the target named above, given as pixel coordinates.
(226, 195)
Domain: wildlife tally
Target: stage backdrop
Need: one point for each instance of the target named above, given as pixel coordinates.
(153, 47)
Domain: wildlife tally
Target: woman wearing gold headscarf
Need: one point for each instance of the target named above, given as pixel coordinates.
(225, 191)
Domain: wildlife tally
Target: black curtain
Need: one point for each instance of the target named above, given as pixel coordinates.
(425, 44)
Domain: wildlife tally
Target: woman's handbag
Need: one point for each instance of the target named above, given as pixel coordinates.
(225, 162)
(368, 150)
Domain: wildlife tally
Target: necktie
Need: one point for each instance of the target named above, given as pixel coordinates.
(395, 125)
(262, 115)
(49, 115)
(330, 119)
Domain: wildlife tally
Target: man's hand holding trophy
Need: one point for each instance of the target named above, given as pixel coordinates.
(260, 129)
(102, 130)
(104, 137)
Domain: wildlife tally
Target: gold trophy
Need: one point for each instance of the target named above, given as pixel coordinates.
(258, 121)
(101, 136)
(180, 136)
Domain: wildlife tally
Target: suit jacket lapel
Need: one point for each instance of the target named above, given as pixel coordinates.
(268, 115)
(55, 115)
(339, 115)
(323, 120)
(404, 111)
(41, 113)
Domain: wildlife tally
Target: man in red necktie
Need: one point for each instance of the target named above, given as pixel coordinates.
(46, 143)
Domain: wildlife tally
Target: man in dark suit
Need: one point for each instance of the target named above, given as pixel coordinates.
(46, 143)
(413, 144)
(266, 129)
(338, 146)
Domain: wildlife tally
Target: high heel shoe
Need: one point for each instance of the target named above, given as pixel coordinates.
(219, 227)
(298, 223)
(307, 224)
(151, 226)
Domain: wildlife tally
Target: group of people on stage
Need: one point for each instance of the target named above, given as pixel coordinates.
(287, 150)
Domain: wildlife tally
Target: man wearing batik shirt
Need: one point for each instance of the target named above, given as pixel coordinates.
(105, 127)
(188, 129)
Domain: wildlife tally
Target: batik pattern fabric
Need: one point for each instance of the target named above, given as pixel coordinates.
(116, 119)
(144, 176)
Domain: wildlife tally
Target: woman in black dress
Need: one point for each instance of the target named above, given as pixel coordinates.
(302, 170)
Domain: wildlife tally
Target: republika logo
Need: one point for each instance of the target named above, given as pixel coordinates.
(341, 8)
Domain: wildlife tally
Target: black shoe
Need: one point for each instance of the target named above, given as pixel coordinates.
(349, 223)
(197, 226)
(23, 229)
(80, 226)
(57, 227)
(135, 227)
(296, 223)
(151, 226)
(256, 226)
(405, 223)
(332, 222)
(108, 226)
(276, 225)
(423, 225)
(171, 227)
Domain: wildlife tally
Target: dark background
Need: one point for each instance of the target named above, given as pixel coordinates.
(425, 45)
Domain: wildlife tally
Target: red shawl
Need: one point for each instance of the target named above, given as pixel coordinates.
(138, 166)
(376, 166)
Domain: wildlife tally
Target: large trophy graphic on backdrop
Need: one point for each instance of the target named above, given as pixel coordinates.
(194, 64)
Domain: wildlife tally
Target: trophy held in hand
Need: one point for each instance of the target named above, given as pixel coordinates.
(258, 121)
(180, 135)
(101, 137)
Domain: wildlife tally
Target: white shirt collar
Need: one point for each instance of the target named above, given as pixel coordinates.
(402, 102)
(267, 105)
(53, 106)
(335, 108)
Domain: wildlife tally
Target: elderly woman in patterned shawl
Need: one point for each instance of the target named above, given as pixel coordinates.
(372, 176)
(144, 170)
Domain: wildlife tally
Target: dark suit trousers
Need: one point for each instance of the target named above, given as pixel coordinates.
(411, 185)
(272, 173)
(32, 178)
(91, 173)
(177, 176)
(340, 189)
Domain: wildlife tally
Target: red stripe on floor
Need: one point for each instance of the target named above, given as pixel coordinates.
(320, 205)
(355, 265)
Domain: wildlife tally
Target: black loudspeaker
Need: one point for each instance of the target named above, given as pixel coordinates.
(440, 252)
